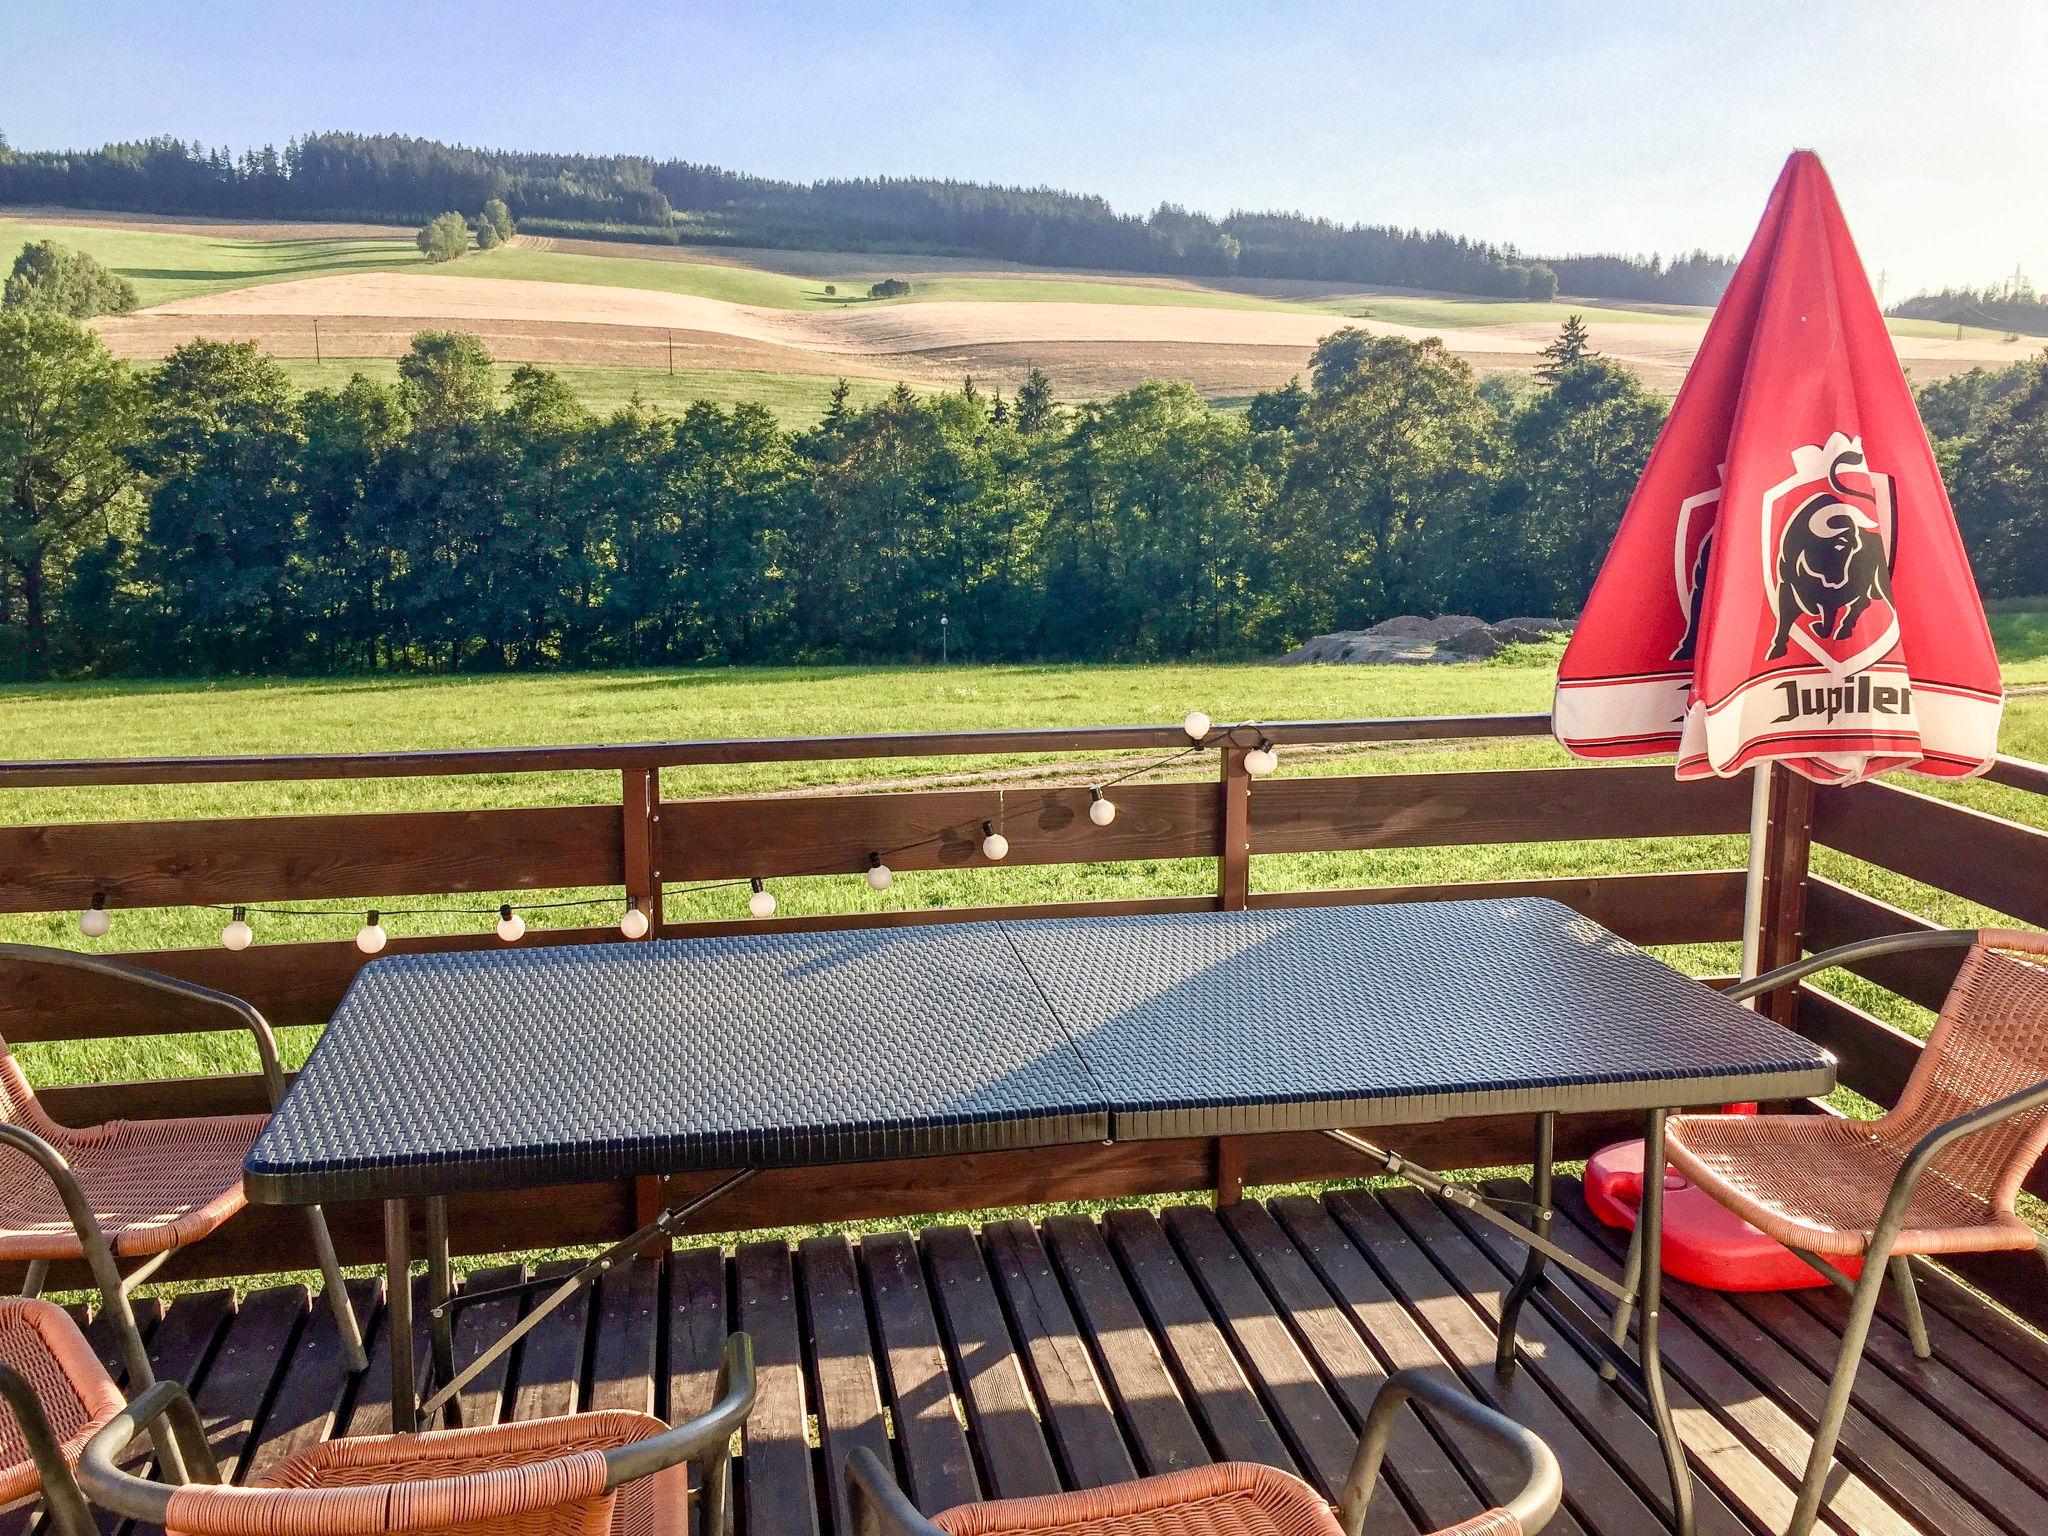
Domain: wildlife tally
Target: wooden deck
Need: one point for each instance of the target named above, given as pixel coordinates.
(1022, 1360)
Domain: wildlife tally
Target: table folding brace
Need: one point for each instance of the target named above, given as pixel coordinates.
(443, 1305)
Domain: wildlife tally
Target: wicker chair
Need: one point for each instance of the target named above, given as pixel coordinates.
(1231, 1498)
(57, 1395)
(137, 1189)
(1936, 1175)
(587, 1474)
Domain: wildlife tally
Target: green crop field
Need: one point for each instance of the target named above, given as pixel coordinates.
(165, 265)
(797, 399)
(95, 720)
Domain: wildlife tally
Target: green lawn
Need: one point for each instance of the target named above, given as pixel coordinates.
(799, 399)
(164, 265)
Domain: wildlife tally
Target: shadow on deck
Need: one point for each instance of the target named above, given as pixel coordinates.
(1022, 1360)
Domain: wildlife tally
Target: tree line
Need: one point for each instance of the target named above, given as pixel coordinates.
(201, 517)
(391, 176)
(2010, 306)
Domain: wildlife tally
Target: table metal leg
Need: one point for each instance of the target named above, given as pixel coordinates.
(1631, 1283)
(405, 1415)
(1650, 1226)
(441, 1317)
(1535, 1264)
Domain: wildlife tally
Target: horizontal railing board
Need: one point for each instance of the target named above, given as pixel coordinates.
(2019, 773)
(930, 829)
(278, 767)
(265, 1239)
(1982, 858)
(298, 858)
(1836, 915)
(301, 983)
(1689, 907)
(1513, 805)
(1872, 1057)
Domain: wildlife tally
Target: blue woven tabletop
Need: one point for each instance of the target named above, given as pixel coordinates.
(511, 1068)
(1307, 1018)
(515, 1067)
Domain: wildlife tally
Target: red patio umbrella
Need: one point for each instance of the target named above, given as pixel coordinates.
(1788, 583)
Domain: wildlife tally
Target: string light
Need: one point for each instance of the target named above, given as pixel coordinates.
(635, 922)
(95, 920)
(994, 846)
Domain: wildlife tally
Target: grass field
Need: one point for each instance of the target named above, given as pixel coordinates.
(164, 265)
(798, 399)
(94, 720)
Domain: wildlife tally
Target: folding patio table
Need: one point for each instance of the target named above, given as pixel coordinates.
(513, 1068)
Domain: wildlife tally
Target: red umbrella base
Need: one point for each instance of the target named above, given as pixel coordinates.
(1705, 1243)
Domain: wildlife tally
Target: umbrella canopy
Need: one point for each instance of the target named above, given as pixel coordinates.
(1788, 583)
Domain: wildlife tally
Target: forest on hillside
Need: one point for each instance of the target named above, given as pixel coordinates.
(393, 177)
(201, 517)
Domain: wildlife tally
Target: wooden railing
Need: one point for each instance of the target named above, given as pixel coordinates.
(643, 844)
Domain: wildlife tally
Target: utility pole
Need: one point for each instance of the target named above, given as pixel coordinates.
(671, 354)
(316, 341)
(1881, 277)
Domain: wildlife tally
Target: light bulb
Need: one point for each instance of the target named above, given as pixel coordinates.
(994, 845)
(1196, 725)
(95, 920)
(238, 934)
(762, 902)
(880, 875)
(1262, 759)
(371, 936)
(511, 926)
(1101, 809)
(634, 924)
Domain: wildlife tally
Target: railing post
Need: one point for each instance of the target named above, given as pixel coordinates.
(1234, 857)
(1787, 853)
(641, 795)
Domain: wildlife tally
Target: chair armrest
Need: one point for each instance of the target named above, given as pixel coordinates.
(1842, 954)
(709, 1434)
(1930, 1146)
(1542, 1484)
(880, 1508)
(170, 986)
(140, 1498)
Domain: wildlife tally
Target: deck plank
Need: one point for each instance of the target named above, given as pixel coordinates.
(476, 1328)
(1148, 1401)
(699, 1322)
(1417, 1465)
(1321, 1437)
(239, 1382)
(842, 1364)
(937, 1465)
(179, 1350)
(547, 1377)
(778, 1492)
(308, 1399)
(1084, 1431)
(1235, 1421)
(369, 1411)
(625, 1338)
(1006, 1437)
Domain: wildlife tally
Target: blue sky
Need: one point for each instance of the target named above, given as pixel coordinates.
(1558, 127)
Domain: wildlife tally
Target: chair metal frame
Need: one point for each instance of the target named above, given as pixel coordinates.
(881, 1508)
(113, 1286)
(705, 1442)
(1879, 1260)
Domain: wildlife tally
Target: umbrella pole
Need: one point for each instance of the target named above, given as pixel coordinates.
(1753, 889)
